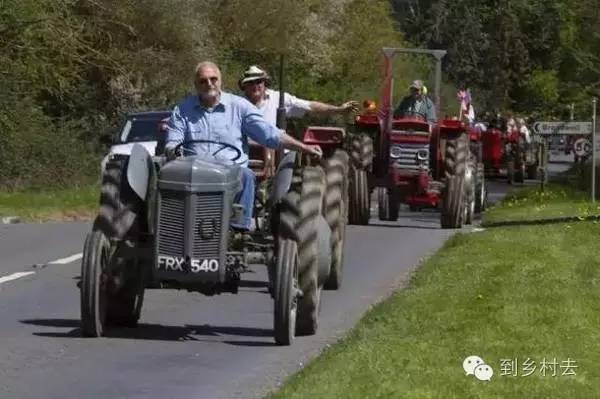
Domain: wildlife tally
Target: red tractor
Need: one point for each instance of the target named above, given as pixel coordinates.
(423, 164)
(509, 150)
(493, 150)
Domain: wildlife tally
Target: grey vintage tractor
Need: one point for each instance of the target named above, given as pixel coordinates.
(169, 221)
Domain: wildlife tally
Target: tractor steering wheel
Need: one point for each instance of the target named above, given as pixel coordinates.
(223, 145)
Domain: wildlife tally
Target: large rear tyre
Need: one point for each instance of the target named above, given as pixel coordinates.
(453, 194)
(334, 208)
(361, 151)
(94, 284)
(359, 210)
(453, 210)
(286, 292)
(309, 207)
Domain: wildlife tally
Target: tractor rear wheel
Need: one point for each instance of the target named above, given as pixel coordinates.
(359, 210)
(94, 284)
(453, 194)
(361, 151)
(309, 209)
(334, 211)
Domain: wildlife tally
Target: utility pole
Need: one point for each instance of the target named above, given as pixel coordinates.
(594, 150)
(572, 108)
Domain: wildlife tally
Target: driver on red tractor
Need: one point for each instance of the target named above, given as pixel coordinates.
(255, 84)
(416, 103)
(222, 117)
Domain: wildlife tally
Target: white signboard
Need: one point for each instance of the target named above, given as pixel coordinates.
(548, 128)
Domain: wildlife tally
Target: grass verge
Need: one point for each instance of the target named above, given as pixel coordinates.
(76, 203)
(530, 204)
(530, 293)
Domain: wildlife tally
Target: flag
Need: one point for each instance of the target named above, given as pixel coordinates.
(466, 109)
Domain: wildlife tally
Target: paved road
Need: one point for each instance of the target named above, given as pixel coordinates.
(187, 345)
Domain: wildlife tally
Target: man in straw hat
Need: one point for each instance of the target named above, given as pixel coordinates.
(215, 115)
(255, 84)
(416, 103)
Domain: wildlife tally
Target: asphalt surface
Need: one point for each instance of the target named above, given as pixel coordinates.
(187, 345)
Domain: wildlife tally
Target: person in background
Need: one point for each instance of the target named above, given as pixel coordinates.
(255, 83)
(416, 103)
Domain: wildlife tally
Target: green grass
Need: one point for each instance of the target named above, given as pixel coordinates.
(76, 203)
(504, 293)
(556, 201)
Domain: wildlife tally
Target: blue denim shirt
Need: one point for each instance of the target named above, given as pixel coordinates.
(232, 121)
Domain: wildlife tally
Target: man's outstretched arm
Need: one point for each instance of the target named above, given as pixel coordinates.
(319, 107)
(263, 132)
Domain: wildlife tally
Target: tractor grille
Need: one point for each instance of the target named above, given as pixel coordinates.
(171, 223)
(408, 156)
(207, 225)
(207, 222)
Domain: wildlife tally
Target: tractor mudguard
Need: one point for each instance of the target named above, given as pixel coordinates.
(141, 177)
(283, 178)
(138, 170)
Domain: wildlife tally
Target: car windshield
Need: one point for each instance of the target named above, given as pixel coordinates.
(141, 129)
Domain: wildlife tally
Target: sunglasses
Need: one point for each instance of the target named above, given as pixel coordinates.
(212, 79)
(255, 82)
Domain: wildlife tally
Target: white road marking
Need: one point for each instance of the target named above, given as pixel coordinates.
(14, 276)
(66, 260)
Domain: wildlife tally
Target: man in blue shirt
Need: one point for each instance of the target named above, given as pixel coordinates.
(223, 117)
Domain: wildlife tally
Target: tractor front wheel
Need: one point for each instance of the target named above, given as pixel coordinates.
(286, 292)
(359, 202)
(94, 284)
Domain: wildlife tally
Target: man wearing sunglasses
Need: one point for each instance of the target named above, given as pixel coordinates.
(255, 84)
(213, 114)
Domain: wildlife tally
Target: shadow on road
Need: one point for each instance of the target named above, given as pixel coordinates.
(158, 332)
(405, 226)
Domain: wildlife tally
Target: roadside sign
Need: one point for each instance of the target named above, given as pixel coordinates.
(582, 147)
(567, 127)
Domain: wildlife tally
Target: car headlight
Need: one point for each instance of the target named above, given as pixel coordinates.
(422, 155)
(395, 151)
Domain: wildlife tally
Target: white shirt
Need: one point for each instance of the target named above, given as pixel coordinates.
(525, 132)
(294, 107)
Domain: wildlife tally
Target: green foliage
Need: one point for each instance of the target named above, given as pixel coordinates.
(530, 56)
(70, 68)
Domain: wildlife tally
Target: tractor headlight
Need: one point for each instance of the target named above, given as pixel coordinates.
(395, 151)
(422, 155)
